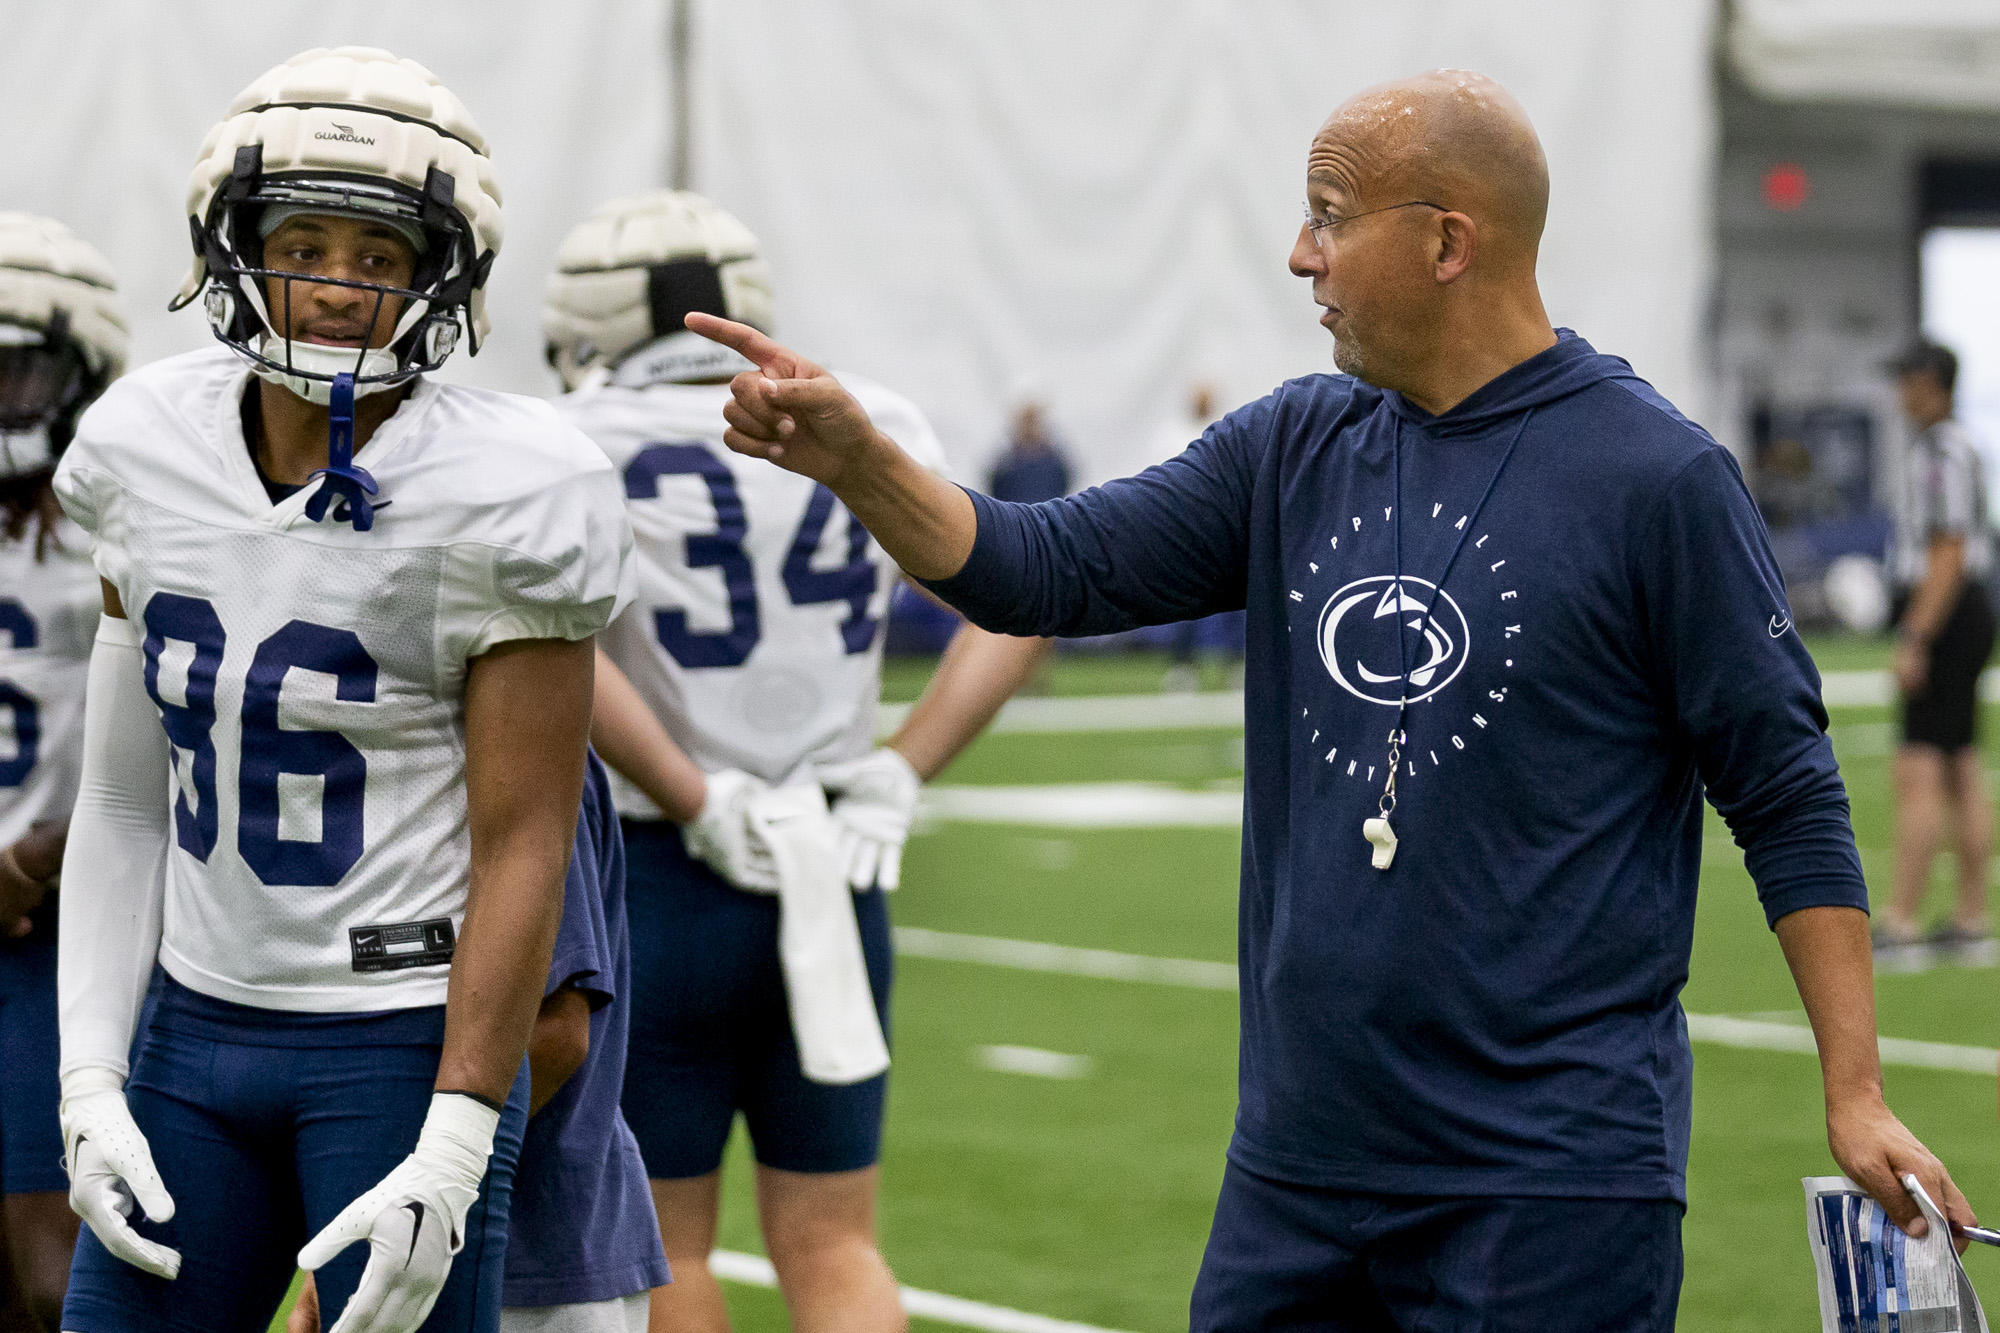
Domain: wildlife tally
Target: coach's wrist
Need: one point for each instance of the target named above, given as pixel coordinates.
(1851, 1094)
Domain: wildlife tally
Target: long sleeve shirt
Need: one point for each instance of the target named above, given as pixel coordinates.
(1497, 1012)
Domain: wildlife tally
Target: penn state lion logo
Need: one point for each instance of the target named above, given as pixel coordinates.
(1366, 628)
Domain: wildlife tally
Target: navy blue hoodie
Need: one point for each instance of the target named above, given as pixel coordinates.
(1498, 1012)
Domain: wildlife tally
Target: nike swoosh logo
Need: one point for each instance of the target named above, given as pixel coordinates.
(1779, 624)
(416, 1211)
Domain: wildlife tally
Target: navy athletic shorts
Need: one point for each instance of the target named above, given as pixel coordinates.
(711, 1033)
(264, 1126)
(1284, 1256)
(31, 1152)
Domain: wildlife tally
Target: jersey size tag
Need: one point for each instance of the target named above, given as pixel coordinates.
(391, 948)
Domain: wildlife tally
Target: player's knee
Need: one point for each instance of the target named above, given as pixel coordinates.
(804, 1248)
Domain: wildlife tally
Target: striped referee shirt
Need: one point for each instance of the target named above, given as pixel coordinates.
(1943, 494)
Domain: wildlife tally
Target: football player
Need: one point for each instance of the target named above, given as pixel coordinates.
(754, 654)
(334, 742)
(582, 1248)
(62, 340)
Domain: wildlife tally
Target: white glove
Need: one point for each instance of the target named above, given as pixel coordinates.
(720, 837)
(414, 1221)
(875, 798)
(111, 1169)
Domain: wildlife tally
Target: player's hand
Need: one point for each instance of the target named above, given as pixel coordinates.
(789, 410)
(874, 800)
(20, 893)
(414, 1221)
(720, 837)
(111, 1170)
(1876, 1151)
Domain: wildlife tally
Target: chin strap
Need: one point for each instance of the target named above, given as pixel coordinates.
(351, 484)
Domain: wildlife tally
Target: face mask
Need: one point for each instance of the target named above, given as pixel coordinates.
(320, 359)
(35, 382)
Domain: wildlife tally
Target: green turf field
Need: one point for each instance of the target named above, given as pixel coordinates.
(1088, 1198)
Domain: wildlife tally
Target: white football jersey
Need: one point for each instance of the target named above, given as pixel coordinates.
(311, 678)
(48, 620)
(756, 634)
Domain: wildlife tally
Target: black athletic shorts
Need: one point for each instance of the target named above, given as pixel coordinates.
(1946, 712)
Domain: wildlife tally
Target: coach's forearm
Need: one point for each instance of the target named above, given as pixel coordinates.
(527, 717)
(1828, 951)
(926, 524)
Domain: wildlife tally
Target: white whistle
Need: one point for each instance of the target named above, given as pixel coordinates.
(1382, 838)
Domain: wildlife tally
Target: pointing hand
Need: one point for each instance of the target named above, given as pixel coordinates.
(789, 410)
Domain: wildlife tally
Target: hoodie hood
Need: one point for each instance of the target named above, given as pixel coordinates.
(1570, 366)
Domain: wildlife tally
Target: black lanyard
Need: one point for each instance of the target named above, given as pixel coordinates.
(1377, 831)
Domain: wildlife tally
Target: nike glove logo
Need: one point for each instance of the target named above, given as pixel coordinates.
(416, 1211)
(1779, 624)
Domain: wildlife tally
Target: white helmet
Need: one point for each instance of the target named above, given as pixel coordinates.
(630, 273)
(62, 339)
(352, 131)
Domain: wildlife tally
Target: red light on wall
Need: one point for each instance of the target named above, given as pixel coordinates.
(1786, 186)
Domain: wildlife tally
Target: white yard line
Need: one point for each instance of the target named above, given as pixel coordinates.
(1031, 956)
(1753, 1034)
(1865, 689)
(1715, 1029)
(1033, 1061)
(1101, 712)
(756, 1271)
(1094, 805)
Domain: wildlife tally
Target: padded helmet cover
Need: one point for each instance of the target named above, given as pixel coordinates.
(643, 261)
(46, 268)
(354, 111)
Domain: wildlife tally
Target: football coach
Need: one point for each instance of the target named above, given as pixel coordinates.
(1511, 617)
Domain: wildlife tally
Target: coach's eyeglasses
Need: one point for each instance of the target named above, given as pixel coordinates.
(1316, 224)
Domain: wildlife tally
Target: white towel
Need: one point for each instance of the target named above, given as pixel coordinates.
(839, 1034)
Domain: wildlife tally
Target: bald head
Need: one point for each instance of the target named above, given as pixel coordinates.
(1450, 137)
(1426, 199)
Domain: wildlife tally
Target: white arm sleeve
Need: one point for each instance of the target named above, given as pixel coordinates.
(115, 863)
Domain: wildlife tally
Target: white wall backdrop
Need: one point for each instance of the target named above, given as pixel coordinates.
(956, 194)
(105, 102)
(1101, 196)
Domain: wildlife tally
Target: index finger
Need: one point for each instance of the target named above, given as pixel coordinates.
(741, 337)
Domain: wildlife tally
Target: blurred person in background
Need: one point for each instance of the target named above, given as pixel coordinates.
(1183, 674)
(1035, 464)
(62, 340)
(1943, 549)
(763, 825)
